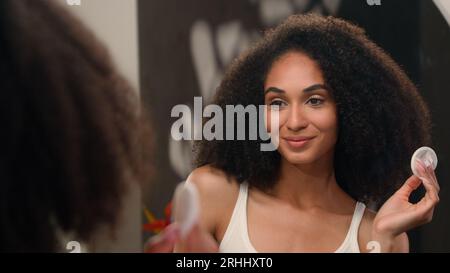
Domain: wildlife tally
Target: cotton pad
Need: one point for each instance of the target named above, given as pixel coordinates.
(427, 156)
(186, 207)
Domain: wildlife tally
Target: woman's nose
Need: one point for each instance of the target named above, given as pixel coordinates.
(296, 119)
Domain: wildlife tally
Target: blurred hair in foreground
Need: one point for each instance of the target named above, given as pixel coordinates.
(73, 132)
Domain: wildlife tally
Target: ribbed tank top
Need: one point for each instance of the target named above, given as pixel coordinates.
(236, 238)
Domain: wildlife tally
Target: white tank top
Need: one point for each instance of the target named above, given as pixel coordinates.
(236, 239)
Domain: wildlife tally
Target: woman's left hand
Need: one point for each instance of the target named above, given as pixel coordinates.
(398, 215)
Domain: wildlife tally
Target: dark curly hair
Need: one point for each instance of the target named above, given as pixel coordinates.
(71, 131)
(382, 118)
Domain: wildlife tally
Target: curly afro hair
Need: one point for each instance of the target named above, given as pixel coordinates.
(71, 131)
(382, 118)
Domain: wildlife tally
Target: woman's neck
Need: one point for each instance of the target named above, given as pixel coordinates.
(310, 186)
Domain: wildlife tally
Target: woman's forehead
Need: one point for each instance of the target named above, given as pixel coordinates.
(294, 70)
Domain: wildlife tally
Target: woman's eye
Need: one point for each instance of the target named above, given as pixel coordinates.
(315, 101)
(278, 103)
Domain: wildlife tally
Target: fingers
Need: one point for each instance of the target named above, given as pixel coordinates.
(200, 241)
(429, 182)
(197, 240)
(428, 172)
(431, 194)
(163, 242)
(433, 174)
(410, 185)
(427, 204)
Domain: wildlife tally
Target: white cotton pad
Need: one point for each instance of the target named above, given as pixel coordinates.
(427, 156)
(186, 207)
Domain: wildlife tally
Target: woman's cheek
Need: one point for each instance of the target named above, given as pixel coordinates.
(326, 121)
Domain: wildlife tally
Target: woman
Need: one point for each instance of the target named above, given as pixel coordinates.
(72, 136)
(349, 121)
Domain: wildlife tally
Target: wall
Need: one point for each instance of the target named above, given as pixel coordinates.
(435, 85)
(115, 24)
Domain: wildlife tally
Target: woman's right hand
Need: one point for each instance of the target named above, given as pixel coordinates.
(197, 241)
(163, 242)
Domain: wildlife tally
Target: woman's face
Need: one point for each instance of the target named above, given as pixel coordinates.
(308, 115)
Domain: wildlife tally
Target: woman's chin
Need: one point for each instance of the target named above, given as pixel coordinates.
(297, 158)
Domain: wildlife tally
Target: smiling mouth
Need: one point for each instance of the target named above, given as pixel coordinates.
(297, 142)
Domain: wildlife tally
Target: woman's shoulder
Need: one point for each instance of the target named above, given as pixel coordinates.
(218, 193)
(209, 179)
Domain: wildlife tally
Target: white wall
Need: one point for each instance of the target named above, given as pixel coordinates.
(115, 24)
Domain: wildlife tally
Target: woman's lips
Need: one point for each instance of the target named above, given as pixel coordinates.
(297, 142)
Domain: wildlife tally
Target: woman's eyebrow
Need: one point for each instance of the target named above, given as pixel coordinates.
(311, 88)
(316, 87)
(275, 90)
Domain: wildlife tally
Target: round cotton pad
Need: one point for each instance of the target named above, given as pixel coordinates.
(186, 207)
(427, 156)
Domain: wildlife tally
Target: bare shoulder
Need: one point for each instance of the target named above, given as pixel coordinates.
(218, 193)
(214, 185)
(401, 243)
(212, 180)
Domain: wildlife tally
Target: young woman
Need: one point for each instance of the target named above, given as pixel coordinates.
(350, 120)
